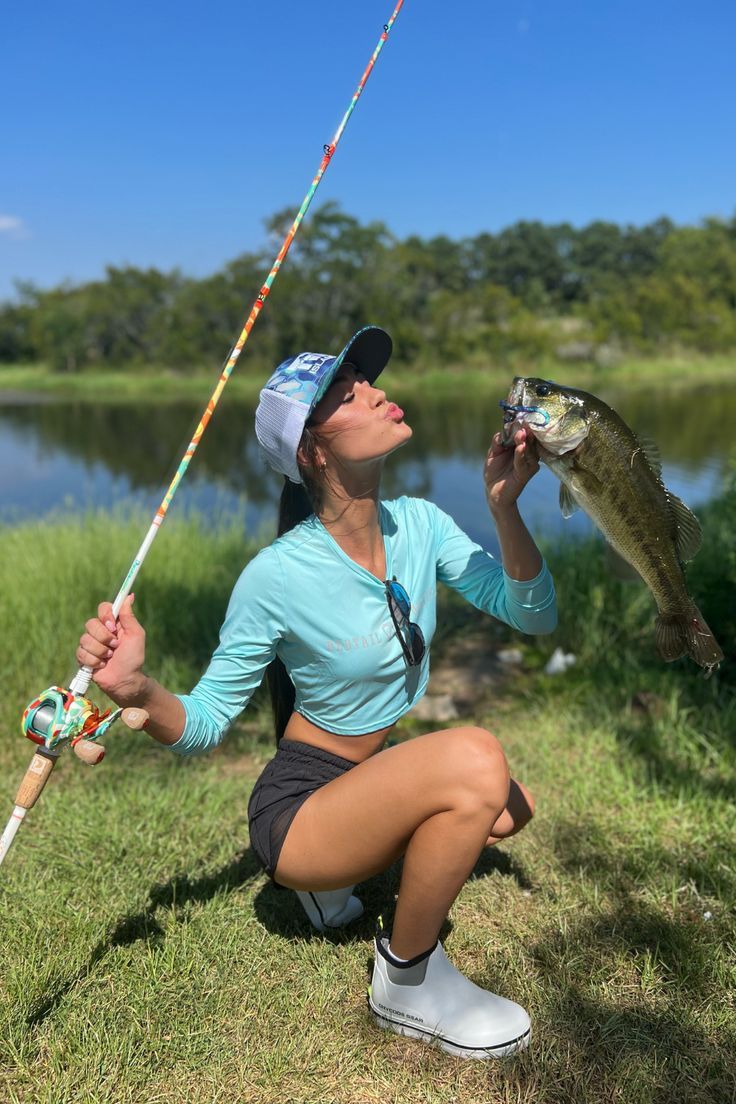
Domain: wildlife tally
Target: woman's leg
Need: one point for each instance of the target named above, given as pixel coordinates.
(433, 799)
(517, 814)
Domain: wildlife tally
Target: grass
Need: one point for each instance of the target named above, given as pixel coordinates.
(147, 959)
(164, 384)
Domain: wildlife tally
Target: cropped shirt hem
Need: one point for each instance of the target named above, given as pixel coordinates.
(346, 730)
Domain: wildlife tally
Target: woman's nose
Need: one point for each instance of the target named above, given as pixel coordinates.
(376, 395)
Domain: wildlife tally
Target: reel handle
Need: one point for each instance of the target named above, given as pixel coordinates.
(89, 752)
(134, 718)
(92, 753)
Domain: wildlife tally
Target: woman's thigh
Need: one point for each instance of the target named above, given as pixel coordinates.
(358, 824)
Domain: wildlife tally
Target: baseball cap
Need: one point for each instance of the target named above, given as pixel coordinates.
(297, 385)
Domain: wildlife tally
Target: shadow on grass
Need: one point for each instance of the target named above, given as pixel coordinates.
(279, 912)
(495, 861)
(277, 909)
(661, 956)
(652, 1038)
(601, 1052)
(708, 870)
(666, 763)
(143, 925)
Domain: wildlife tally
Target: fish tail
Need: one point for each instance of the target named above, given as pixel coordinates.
(679, 634)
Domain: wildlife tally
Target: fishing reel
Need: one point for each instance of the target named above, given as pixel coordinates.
(58, 715)
(53, 718)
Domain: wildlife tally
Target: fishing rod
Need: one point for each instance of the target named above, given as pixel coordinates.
(59, 715)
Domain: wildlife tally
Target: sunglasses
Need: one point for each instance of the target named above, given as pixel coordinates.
(409, 634)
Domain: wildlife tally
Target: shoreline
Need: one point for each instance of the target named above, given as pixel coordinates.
(22, 384)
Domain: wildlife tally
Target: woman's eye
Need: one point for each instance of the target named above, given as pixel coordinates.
(349, 397)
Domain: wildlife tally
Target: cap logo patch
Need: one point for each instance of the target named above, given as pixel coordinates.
(298, 376)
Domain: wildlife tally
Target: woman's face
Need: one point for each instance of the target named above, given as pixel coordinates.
(356, 421)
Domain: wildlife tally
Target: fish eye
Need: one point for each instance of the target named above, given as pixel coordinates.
(542, 389)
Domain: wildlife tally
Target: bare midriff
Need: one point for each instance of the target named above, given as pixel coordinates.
(357, 748)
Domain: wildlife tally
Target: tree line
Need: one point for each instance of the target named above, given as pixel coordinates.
(530, 290)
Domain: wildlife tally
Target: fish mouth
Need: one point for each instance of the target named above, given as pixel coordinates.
(517, 413)
(512, 409)
(514, 403)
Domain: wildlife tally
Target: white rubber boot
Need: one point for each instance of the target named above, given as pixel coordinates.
(332, 909)
(429, 999)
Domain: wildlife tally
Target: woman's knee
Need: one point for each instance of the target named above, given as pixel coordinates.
(480, 764)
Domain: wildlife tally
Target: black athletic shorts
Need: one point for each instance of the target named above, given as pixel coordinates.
(296, 771)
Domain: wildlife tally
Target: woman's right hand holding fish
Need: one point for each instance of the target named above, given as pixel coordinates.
(115, 652)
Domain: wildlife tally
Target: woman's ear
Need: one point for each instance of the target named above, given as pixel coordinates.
(318, 461)
(304, 460)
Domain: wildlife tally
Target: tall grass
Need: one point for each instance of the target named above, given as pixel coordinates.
(146, 958)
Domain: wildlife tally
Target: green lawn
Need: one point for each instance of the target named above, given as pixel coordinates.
(147, 959)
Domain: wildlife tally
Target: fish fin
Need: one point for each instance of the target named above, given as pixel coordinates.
(619, 567)
(568, 505)
(651, 451)
(688, 536)
(687, 634)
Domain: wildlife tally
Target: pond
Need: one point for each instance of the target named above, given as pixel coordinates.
(69, 456)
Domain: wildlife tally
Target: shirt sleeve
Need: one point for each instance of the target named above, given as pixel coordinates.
(253, 625)
(529, 605)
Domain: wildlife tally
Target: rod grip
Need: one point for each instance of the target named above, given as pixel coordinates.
(34, 780)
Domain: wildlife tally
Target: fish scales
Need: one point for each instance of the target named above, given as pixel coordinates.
(606, 471)
(614, 484)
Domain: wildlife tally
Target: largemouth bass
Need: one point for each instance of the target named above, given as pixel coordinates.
(616, 479)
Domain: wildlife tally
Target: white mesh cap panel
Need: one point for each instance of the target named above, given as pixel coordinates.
(279, 427)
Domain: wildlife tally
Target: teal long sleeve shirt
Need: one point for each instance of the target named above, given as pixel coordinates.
(327, 618)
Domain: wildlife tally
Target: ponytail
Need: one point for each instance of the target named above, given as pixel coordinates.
(298, 502)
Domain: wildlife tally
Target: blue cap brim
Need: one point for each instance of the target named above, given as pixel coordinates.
(369, 350)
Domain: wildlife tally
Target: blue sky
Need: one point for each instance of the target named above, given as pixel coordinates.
(163, 133)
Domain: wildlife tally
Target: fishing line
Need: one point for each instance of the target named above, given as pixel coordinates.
(59, 716)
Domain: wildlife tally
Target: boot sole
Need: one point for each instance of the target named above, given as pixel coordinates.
(501, 1050)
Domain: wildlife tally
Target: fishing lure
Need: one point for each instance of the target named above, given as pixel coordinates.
(511, 410)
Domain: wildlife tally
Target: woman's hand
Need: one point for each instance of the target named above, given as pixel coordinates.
(115, 652)
(508, 469)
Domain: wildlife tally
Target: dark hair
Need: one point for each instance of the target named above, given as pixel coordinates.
(298, 501)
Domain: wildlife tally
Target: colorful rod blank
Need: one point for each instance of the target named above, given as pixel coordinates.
(82, 679)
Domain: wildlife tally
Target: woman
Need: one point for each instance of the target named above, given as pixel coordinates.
(343, 603)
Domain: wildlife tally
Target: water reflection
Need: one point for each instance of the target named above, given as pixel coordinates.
(75, 454)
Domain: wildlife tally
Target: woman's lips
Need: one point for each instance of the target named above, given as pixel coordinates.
(394, 412)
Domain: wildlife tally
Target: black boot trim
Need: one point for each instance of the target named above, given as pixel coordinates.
(397, 963)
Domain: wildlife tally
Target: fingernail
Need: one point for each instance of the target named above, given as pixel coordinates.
(110, 625)
(114, 643)
(109, 654)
